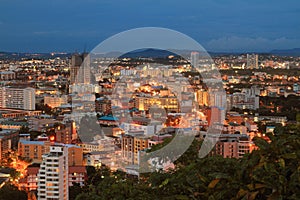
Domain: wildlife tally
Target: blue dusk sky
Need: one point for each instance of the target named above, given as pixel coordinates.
(218, 25)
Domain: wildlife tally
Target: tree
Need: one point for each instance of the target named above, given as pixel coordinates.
(34, 134)
(24, 129)
(11, 192)
(74, 191)
(45, 108)
(298, 118)
(271, 172)
(14, 173)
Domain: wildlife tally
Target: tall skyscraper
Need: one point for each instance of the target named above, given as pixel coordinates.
(252, 61)
(76, 61)
(195, 59)
(53, 174)
(218, 99)
(202, 97)
(80, 70)
(18, 98)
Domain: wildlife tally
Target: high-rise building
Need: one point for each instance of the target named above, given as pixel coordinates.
(80, 71)
(195, 59)
(202, 97)
(18, 98)
(76, 62)
(128, 148)
(8, 141)
(53, 174)
(252, 61)
(218, 99)
(131, 145)
(77, 175)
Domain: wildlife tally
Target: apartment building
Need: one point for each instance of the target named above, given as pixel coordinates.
(17, 98)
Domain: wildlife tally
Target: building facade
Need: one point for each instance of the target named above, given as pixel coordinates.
(131, 145)
(252, 61)
(233, 146)
(80, 71)
(8, 141)
(53, 174)
(55, 101)
(33, 150)
(17, 98)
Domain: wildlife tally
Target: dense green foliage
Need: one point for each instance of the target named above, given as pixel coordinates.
(271, 172)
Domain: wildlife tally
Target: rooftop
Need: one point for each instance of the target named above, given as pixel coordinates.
(32, 142)
(77, 169)
(13, 123)
(109, 118)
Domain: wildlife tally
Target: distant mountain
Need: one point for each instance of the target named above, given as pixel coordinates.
(157, 53)
(147, 53)
(286, 52)
(141, 53)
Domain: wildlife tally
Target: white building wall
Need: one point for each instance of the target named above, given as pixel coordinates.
(53, 174)
(18, 98)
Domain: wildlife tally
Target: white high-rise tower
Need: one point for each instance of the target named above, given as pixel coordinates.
(195, 59)
(53, 174)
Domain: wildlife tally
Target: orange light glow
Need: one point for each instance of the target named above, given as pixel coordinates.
(52, 138)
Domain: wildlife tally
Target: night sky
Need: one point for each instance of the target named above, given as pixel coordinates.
(218, 25)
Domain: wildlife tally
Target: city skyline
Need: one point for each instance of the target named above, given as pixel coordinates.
(143, 114)
(65, 26)
(106, 99)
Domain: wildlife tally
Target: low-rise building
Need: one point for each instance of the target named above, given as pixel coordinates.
(13, 125)
(33, 150)
(233, 146)
(55, 101)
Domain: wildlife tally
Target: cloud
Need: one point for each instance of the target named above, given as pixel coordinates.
(251, 44)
